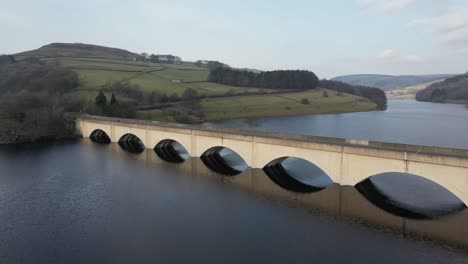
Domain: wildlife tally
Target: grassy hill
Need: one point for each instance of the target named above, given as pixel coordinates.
(163, 78)
(278, 104)
(390, 82)
(97, 67)
(78, 50)
(451, 90)
(410, 91)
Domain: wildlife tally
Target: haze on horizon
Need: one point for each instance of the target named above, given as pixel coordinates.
(330, 38)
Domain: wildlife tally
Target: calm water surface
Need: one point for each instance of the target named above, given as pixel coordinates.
(405, 121)
(79, 202)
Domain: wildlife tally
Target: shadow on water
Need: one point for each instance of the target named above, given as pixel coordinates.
(90, 203)
(297, 175)
(131, 143)
(224, 161)
(445, 223)
(171, 151)
(410, 196)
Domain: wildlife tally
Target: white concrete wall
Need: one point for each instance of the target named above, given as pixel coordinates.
(346, 165)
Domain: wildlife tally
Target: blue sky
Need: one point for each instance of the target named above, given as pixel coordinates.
(333, 37)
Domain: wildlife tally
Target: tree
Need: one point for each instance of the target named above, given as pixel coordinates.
(189, 94)
(113, 100)
(164, 98)
(6, 59)
(298, 80)
(174, 97)
(101, 100)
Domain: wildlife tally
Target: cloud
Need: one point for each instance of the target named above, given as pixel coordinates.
(395, 5)
(9, 18)
(450, 28)
(391, 55)
(455, 19)
(464, 50)
(386, 54)
(387, 5)
(365, 2)
(419, 21)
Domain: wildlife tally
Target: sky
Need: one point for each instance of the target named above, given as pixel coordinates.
(330, 38)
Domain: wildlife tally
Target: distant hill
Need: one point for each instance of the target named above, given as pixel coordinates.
(410, 91)
(78, 50)
(389, 82)
(451, 90)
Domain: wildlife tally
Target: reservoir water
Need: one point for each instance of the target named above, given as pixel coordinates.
(80, 202)
(405, 121)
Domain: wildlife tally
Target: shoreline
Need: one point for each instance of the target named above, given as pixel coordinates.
(278, 115)
(44, 139)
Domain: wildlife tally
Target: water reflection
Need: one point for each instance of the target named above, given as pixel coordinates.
(171, 151)
(405, 121)
(224, 160)
(297, 175)
(410, 196)
(344, 202)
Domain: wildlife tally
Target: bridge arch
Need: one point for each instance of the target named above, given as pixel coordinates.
(171, 151)
(297, 175)
(99, 136)
(121, 131)
(224, 161)
(446, 182)
(328, 161)
(405, 195)
(131, 143)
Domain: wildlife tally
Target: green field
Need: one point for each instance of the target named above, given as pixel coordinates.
(162, 78)
(274, 105)
(409, 92)
(237, 102)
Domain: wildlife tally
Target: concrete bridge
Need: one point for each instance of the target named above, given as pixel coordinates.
(345, 161)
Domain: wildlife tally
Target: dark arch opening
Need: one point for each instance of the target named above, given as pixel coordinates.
(410, 196)
(131, 143)
(100, 137)
(224, 161)
(297, 175)
(171, 151)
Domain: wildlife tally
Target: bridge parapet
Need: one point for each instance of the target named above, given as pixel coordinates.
(346, 161)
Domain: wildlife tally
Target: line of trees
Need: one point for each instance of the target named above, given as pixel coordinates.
(288, 79)
(170, 59)
(374, 95)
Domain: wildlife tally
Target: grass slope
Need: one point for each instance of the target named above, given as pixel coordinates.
(410, 91)
(274, 105)
(162, 78)
(78, 50)
(98, 65)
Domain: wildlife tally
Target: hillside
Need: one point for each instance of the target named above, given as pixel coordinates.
(78, 50)
(410, 91)
(275, 104)
(178, 92)
(389, 82)
(451, 90)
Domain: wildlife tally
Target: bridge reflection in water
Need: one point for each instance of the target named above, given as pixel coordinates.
(343, 202)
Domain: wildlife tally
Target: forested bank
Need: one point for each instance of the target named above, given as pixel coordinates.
(293, 80)
(32, 101)
(451, 90)
(283, 80)
(374, 95)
